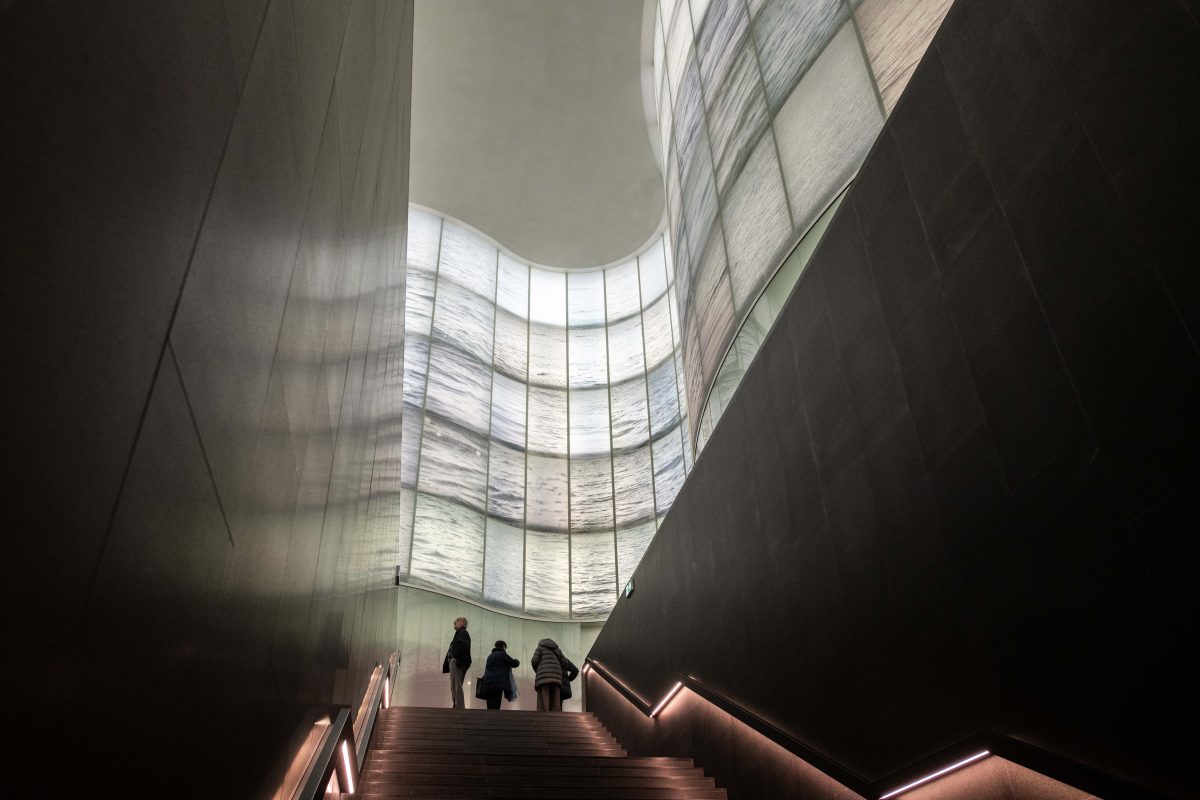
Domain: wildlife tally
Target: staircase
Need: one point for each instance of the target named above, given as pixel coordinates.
(445, 753)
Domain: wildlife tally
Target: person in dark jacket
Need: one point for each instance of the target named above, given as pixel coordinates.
(551, 670)
(457, 661)
(497, 675)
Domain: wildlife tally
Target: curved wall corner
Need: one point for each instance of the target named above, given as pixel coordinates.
(956, 489)
(544, 425)
(766, 109)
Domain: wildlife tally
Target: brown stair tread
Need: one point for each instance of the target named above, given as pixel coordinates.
(472, 754)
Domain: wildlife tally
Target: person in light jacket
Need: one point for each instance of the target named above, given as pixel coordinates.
(551, 670)
(497, 675)
(457, 661)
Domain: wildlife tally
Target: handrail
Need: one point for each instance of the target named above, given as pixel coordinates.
(990, 742)
(378, 695)
(324, 760)
(342, 747)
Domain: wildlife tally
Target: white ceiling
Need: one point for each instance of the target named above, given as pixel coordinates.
(528, 124)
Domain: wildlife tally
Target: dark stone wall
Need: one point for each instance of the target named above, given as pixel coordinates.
(205, 207)
(957, 488)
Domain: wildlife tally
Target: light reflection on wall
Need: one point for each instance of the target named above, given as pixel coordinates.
(766, 109)
(544, 422)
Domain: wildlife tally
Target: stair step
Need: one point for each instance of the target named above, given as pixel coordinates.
(473, 754)
(616, 770)
(373, 779)
(485, 759)
(557, 792)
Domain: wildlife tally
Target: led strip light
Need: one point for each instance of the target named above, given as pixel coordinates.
(679, 685)
(934, 775)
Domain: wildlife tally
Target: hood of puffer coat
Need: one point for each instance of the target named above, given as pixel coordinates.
(550, 643)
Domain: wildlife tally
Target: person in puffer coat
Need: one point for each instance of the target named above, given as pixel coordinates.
(497, 675)
(551, 670)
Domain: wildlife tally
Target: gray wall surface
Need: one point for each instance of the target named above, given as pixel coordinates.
(203, 236)
(957, 489)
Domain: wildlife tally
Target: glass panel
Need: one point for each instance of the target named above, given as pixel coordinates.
(689, 118)
(548, 297)
(694, 373)
(424, 237)
(467, 260)
(633, 489)
(547, 573)
(448, 546)
(464, 320)
(688, 457)
(790, 34)
(665, 120)
(652, 269)
(408, 502)
(512, 293)
(625, 350)
(657, 328)
(547, 421)
(591, 494)
(668, 470)
(660, 54)
(547, 355)
(506, 484)
(416, 365)
(410, 445)
(589, 422)
(504, 565)
(418, 302)
(714, 307)
(585, 298)
(664, 398)
(722, 38)
(757, 224)
(896, 35)
(453, 462)
(673, 305)
(679, 42)
(631, 545)
(827, 126)
(621, 289)
(593, 574)
(588, 353)
(512, 343)
(508, 411)
(547, 493)
(460, 388)
(737, 116)
(699, 196)
(679, 382)
(630, 425)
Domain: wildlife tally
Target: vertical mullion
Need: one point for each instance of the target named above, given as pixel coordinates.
(567, 347)
(612, 449)
(487, 469)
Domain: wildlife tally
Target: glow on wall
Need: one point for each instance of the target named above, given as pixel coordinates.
(544, 422)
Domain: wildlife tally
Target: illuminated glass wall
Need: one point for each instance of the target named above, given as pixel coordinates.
(766, 109)
(544, 430)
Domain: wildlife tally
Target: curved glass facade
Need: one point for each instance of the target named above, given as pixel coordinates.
(544, 422)
(766, 110)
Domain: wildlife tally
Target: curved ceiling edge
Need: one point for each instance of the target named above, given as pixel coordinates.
(528, 122)
(646, 245)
